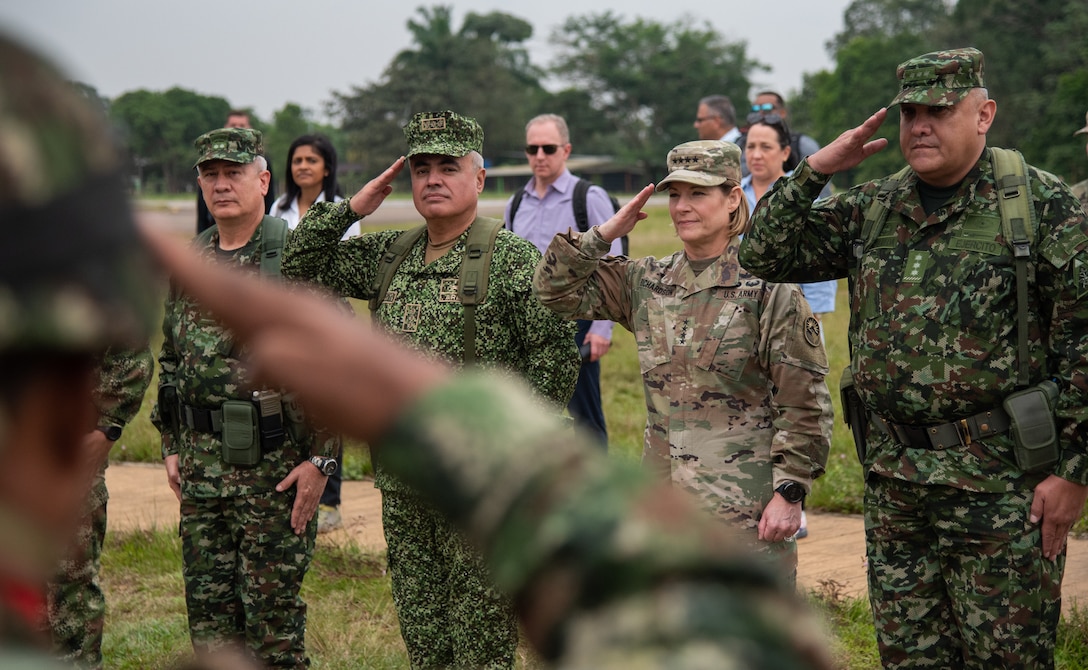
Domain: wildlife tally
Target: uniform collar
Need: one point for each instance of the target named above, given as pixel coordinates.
(723, 272)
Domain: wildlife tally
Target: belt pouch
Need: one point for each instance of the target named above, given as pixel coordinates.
(1033, 429)
(241, 440)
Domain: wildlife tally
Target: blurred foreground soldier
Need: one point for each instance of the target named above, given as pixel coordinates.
(457, 289)
(969, 333)
(1081, 189)
(77, 606)
(247, 471)
(608, 570)
(73, 282)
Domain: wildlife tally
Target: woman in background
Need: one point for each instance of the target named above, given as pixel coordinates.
(311, 177)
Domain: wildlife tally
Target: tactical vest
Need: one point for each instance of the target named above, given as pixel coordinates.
(273, 236)
(475, 271)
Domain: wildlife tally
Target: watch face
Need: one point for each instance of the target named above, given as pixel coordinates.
(112, 433)
(792, 492)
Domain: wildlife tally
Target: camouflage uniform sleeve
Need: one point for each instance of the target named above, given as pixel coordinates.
(575, 282)
(792, 238)
(122, 381)
(314, 251)
(1062, 278)
(645, 581)
(168, 368)
(551, 362)
(791, 351)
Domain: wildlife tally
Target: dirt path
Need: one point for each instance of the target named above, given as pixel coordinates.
(832, 556)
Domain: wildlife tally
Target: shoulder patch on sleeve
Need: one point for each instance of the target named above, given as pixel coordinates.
(812, 331)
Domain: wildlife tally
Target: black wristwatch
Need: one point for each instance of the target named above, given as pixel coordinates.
(327, 466)
(112, 431)
(791, 491)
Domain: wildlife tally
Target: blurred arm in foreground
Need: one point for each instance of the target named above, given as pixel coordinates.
(607, 569)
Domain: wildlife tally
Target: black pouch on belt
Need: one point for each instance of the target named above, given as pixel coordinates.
(1034, 431)
(241, 437)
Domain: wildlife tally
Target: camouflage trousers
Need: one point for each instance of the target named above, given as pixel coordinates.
(243, 568)
(77, 606)
(957, 579)
(450, 614)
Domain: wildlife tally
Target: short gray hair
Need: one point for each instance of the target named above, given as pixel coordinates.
(722, 107)
(477, 160)
(559, 121)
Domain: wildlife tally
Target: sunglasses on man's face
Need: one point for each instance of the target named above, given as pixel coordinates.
(765, 107)
(549, 149)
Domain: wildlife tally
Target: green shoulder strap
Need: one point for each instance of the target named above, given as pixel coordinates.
(273, 235)
(475, 271)
(1018, 225)
(391, 260)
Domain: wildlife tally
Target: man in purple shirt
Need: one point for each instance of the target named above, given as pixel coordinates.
(546, 209)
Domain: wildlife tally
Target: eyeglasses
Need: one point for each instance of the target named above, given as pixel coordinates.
(765, 107)
(769, 119)
(548, 149)
(704, 119)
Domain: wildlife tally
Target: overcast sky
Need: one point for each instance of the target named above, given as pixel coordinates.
(263, 54)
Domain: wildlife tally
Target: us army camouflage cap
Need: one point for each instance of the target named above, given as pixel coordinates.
(1085, 128)
(703, 162)
(940, 78)
(237, 145)
(444, 134)
(73, 273)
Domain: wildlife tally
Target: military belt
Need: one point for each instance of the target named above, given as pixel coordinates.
(202, 420)
(960, 432)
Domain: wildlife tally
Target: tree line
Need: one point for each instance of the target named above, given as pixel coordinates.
(628, 87)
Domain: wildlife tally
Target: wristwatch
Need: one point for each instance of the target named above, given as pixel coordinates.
(327, 466)
(112, 431)
(791, 491)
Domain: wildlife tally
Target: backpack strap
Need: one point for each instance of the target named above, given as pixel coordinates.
(273, 236)
(391, 260)
(515, 202)
(475, 272)
(578, 203)
(1018, 225)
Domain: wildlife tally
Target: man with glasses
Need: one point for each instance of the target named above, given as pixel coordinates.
(542, 210)
(716, 119)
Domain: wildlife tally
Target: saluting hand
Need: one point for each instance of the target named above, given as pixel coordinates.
(851, 148)
(623, 221)
(374, 193)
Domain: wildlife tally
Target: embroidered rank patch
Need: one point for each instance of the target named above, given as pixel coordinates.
(917, 262)
(391, 297)
(410, 322)
(812, 331)
(447, 290)
(433, 123)
(1081, 269)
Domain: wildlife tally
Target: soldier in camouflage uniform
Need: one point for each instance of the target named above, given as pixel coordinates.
(1081, 189)
(609, 568)
(738, 411)
(77, 606)
(450, 613)
(966, 549)
(247, 531)
(74, 282)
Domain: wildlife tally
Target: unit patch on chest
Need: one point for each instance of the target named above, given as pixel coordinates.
(447, 290)
(410, 322)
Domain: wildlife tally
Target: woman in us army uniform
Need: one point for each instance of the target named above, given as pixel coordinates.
(733, 366)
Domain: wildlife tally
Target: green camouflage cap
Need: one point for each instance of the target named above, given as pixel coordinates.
(74, 275)
(1085, 128)
(237, 145)
(444, 134)
(703, 162)
(940, 78)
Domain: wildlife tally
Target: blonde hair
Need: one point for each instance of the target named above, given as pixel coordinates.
(738, 222)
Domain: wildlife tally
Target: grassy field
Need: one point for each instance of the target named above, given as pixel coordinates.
(351, 619)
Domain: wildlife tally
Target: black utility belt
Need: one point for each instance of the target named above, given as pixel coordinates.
(247, 428)
(1027, 415)
(958, 433)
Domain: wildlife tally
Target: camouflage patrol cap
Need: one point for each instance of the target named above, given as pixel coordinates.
(74, 275)
(444, 134)
(1085, 128)
(940, 78)
(703, 162)
(237, 145)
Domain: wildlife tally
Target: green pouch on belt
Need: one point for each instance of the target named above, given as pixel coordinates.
(1034, 431)
(241, 438)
